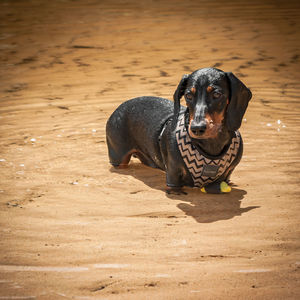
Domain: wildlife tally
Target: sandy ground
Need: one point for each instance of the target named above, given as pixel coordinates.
(72, 227)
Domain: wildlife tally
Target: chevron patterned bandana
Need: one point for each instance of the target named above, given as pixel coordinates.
(202, 169)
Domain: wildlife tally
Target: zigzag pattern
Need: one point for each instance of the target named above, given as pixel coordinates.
(195, 162)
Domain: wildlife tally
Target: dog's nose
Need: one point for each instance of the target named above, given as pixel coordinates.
(198, 129)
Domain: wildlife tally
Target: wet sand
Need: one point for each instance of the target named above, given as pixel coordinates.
(74, 228)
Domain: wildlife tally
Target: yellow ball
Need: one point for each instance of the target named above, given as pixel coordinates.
(224, 187)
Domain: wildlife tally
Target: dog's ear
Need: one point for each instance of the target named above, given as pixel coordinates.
(178, 94)
(240, 95)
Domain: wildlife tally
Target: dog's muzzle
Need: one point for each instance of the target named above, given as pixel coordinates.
(197, 129)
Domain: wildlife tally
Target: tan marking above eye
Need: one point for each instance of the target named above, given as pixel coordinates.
(209, 89)
(193, 90)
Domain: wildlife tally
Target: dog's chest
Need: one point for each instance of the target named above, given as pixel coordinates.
(204, 170)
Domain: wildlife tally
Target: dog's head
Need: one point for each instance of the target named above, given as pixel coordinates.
(214, 99)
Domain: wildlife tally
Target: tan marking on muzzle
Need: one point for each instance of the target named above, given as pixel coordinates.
(216, 118)
(191, 119)
(213, 124)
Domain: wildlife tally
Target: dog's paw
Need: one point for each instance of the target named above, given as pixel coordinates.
(175, 191)
(216, 188)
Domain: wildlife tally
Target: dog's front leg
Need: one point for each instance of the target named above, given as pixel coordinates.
(218, 187)
(174, 181)
(175, 191)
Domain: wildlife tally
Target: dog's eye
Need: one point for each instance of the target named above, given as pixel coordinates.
(189, 96)
(217, 95)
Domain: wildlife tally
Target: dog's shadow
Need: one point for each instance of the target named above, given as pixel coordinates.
(204, 208)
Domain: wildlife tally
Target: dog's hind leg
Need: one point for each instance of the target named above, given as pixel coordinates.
(119, 156)
(117, 138)
(122, 160)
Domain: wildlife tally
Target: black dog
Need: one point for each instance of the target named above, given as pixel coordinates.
(197, 145)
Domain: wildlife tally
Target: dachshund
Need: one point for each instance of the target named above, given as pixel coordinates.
(197, 145)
